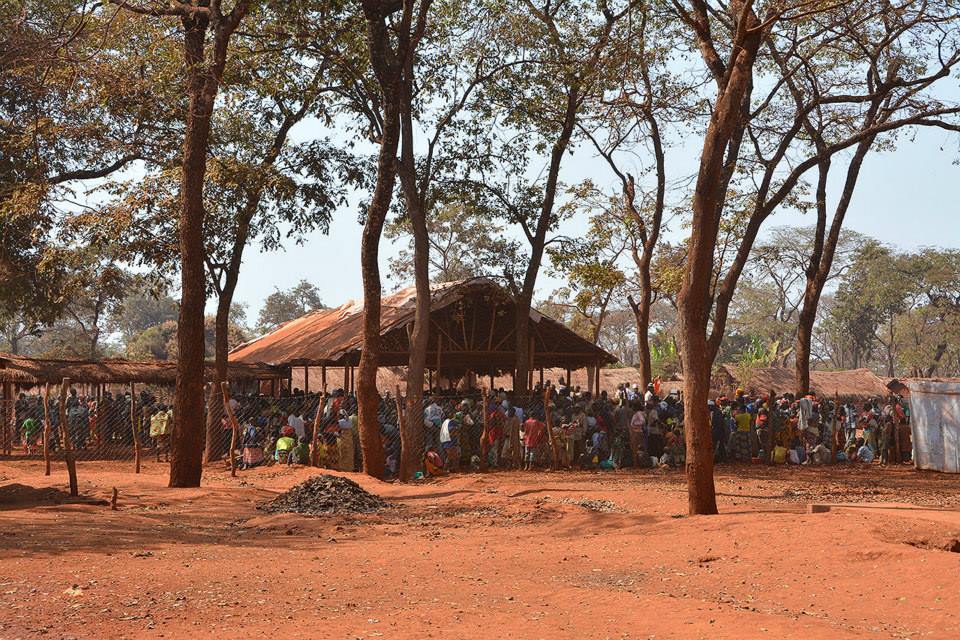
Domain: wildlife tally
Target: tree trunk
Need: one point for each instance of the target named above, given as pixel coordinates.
(701, 494)
(695, 300)
(641, 312)
(521, 334)
(805, 323)
(368, 397)
(186, 444)
(411, 429)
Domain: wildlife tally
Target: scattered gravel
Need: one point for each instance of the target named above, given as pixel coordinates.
(600, 506)
(326, 494)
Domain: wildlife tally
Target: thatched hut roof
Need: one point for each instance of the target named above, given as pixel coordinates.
(471, 329)
(27, 371)
(854, 383)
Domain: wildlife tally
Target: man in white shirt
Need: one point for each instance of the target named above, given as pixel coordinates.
(296, 421)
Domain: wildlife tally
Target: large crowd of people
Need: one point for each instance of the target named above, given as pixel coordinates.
(555, 426)
(104, 422)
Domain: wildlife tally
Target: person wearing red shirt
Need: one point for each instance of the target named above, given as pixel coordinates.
(534, 435)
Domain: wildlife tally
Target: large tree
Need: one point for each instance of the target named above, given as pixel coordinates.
(888, 68)
(55, 139)
(393, 34)
(531, 110)
(207, 27)
(749, 189)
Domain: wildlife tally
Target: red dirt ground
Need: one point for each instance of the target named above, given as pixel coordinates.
(501, 555)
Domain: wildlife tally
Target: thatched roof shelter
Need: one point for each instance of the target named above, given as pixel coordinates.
(25, 371)
(472, 325)
(850, 384)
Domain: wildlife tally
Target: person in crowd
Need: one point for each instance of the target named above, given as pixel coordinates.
(160, 431)
(295, 420)
(31, 432)
(888, 436)
(534, 436)
(450, 442)
(432, 419)
(515, 444)
(301, 453)
(345, 442)
(285, 445)
(718, 431)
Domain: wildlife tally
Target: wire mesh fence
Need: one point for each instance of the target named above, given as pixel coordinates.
(445, 431)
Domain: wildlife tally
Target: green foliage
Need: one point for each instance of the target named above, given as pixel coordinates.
(284, 305)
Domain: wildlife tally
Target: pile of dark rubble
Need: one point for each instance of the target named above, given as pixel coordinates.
(600, 506)
(326, 494)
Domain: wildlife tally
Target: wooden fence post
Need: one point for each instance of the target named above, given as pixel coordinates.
(9, 415)
(47, 431)
(553, 441)
(833, 434)
(68, 452)
(317, 420)
(134, 427)
(234, 427)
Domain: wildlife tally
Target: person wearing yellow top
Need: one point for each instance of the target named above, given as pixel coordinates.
(160, 430)
(743, 420)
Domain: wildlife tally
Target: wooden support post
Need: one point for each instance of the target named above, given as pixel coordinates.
(234, 427)
(8, 416)
(493, 323)
(836, 426)
(400, 420)
(553, 441)
(68, 452)
(306, 380)
(430, 380)
(896, 439)
(47, 431)
(768, 439)
(541, 376)
(484, 444)
(317, 425)
(491, 382)
(323, 376)
(135, 428)
(439, 352)
(569, 381)
(596, 385)
(346, 378)
(353, 379)
(530, 364)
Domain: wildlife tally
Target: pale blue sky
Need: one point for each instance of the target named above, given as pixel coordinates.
(907, 198)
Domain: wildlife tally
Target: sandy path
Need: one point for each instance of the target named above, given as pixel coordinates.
(500, 555)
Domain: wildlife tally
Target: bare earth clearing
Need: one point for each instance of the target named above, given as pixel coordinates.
(501, 555)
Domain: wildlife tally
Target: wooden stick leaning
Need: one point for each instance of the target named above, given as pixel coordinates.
(234, 427)
(47, 431)
(484, 436)
(68, 452)
(317, 420)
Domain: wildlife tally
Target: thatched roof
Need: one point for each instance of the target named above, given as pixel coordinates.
(854, 383)
(471, 328)
(31, 371)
